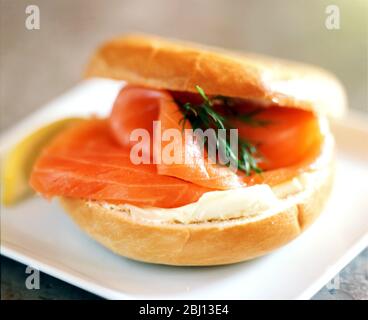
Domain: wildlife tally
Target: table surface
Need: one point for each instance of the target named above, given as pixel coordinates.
(37, 65)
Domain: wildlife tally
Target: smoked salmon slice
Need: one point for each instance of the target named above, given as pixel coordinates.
(290, 136)
(86, 162)
(190, 164)
(287, 139)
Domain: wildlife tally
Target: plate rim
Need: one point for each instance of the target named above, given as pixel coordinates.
(9, 250)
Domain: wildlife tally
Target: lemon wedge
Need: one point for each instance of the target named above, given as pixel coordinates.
(18, 162)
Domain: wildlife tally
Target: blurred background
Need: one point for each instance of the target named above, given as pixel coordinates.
(38, 65)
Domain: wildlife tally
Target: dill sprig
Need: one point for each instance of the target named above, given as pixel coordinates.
(204, 116)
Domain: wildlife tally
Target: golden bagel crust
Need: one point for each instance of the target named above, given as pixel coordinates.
(165, 64)
(199, 244)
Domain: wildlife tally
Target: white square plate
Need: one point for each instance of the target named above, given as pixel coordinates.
(39, 234)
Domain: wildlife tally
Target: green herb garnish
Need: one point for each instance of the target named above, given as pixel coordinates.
(204, 116)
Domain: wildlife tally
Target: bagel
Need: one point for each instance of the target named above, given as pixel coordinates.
(216, 229)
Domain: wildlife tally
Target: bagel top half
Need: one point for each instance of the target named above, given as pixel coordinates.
(175, 65)
(150, 234)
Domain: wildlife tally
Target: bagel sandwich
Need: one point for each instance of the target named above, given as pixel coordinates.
(197, 214)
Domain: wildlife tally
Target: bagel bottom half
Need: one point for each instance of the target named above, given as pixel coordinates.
(205, 243)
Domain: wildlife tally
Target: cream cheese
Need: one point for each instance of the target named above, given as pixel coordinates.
(219, 205)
